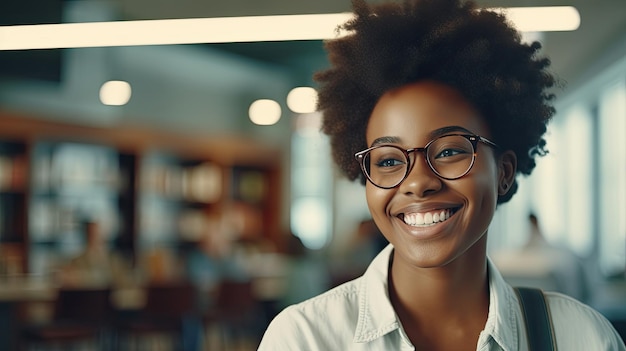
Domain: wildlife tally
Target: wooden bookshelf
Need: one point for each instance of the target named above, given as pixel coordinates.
(198, 174)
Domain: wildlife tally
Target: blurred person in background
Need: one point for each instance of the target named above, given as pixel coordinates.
(436, 106)
(97, 265)
(208, 262)
(365, 242)
(307, 275)
(543, 265)
(211, 260)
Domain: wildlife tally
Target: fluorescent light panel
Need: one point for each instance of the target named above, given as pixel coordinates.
(231, 29)
(542, 19)
(173, 31)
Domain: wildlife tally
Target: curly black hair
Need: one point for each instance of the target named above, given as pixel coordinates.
(474, 50)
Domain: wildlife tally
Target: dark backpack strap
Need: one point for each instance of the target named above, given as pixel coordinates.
(537, 319)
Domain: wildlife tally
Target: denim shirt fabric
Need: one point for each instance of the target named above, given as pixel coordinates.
(358, 315)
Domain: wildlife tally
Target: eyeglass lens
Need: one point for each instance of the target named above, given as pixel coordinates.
(449, 157)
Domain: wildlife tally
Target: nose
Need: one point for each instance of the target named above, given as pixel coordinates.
(421, 180)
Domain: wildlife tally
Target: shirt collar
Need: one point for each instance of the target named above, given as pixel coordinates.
(502, 321)
(377, 316)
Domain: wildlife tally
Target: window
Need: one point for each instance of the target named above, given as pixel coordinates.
(612, 179)
(311, 179)
(578, 179)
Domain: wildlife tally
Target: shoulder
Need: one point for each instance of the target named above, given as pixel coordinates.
(563, 308)
(578, 326)
(341, 300)
(309, 322)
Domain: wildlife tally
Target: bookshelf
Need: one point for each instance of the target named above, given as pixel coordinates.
(14, 156)
(150, 187)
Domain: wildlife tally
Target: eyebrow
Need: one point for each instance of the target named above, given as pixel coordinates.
(432, 135)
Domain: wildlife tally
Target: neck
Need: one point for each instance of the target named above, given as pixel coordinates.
(454, 293)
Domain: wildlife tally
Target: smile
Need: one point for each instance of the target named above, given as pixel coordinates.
(427, 218)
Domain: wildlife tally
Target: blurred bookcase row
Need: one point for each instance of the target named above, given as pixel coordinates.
(146, 188)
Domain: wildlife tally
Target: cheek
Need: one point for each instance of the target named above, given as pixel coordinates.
(484, 187)
(491, 186)
(377, 200)
(486, 192)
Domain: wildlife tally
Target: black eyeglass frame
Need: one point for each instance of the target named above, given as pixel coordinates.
(472, 138)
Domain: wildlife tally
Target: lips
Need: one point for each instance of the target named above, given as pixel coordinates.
(427, 218)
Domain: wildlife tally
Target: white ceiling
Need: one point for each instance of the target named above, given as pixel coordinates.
(602, 22)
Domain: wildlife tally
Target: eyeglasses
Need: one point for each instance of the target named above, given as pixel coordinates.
(450, 157)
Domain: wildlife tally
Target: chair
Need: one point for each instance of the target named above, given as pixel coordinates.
(169, 306)
(81, 317)
(236, 314)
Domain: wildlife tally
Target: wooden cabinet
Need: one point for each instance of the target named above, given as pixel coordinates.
(149, 187)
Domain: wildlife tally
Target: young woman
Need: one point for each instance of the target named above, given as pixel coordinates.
(437, 106)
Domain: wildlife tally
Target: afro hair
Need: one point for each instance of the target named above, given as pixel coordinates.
(475, 51)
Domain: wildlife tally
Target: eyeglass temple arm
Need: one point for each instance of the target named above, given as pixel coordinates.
(488, 142)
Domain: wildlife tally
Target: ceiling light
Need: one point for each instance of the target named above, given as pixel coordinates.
(115, 93)
(542, 19)
(171, 31)
(264, 112)
(302, 100)
(231, 29)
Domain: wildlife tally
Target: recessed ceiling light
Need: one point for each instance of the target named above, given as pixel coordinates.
(115, 93)
(302, 100)
(264, 112)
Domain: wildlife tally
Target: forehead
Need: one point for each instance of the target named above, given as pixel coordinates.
(413, 111)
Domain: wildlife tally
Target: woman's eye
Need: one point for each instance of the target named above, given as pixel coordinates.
(450, 153)
(389, 162)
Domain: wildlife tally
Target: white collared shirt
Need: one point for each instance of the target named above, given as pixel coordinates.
(358, 315)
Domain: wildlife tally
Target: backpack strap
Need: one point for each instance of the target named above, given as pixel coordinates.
(537, 319)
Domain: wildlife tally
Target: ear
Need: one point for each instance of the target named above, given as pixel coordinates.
(507, 166)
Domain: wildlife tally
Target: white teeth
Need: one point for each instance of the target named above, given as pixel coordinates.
(419, 219)
(428, 218)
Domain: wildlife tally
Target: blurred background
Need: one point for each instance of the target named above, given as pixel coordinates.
(201, 177)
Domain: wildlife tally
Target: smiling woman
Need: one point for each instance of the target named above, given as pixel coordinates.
(443, 106)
